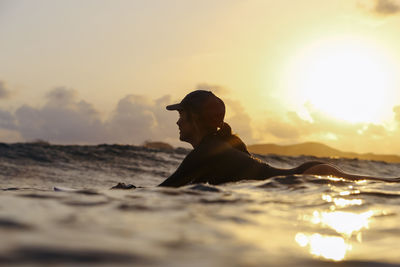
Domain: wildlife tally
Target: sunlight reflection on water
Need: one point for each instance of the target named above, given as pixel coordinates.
(329, 247)
(344, 223)
(342, 202)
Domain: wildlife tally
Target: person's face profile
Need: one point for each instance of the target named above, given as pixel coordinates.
(185, 125)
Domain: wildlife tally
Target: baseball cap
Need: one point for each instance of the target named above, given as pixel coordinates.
(204, 103)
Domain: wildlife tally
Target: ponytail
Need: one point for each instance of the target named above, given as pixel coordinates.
(225, 133)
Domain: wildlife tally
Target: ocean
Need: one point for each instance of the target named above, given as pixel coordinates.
(299, 220)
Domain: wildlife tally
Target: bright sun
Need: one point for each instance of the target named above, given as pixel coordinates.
(346, 78)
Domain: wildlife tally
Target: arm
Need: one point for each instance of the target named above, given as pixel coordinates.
(190, 169)
(178, 178)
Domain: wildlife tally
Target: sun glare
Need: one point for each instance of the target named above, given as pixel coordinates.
(347, 78)
(328, 247)
(344, 223)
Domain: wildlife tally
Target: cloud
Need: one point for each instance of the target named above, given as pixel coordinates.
(216, 89)
(374, 131)
(283, 127)
(138, 118)
(62, 119)
(133, 120)
(7, 121)
(239, 120)
(386, 7)
(166, 120)
(61, 96)
(361, 137)
(65, 119)
(4, 92)
(381, 7)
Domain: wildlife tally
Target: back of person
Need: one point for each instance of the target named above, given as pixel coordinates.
(217, 161)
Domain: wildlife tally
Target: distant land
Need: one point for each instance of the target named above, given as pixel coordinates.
(317, 150)
(307, 149)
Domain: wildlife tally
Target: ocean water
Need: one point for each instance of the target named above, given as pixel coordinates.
(300, 220)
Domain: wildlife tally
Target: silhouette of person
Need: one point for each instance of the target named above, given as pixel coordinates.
(218, 155)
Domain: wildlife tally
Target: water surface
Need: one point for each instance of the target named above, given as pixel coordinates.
(303, 220)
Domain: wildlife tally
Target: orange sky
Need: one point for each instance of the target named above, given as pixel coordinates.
(289, 71)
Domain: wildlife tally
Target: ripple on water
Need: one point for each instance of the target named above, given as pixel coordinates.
(50, 255)
(379, 194)
(134, 207)
(205, 188)
(77, 203)
(10, 224)
(40, 196)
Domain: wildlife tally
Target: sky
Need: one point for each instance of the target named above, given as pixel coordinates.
(100, 71)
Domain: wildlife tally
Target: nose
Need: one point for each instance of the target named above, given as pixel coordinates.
(178, 122)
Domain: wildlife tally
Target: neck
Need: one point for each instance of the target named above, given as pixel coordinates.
(195, 143)
(198, 138)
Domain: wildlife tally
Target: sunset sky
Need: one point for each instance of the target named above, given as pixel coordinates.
(101, 71)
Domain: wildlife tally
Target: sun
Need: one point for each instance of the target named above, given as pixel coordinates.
(346, 78)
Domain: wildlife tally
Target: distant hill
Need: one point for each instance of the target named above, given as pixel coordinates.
(318, 150)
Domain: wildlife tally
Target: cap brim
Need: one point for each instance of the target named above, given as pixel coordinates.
(174, 107)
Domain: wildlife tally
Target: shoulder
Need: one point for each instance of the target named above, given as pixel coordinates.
(209, 146)
(238, 144)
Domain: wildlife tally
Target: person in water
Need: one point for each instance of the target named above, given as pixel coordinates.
(218, 155)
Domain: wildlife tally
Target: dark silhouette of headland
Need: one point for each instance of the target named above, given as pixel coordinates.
(317, 150)
(157, 145)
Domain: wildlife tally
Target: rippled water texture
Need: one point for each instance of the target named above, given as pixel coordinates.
(286, 221)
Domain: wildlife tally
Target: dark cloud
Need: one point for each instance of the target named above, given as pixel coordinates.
(4, 92)
(166, 120)
(62, 119)
(7, 121)
(133, 120)
(138, 118)
(65, 119)
(386, 7)
(61, 96)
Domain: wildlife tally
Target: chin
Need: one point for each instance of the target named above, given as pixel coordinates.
(183, 138)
